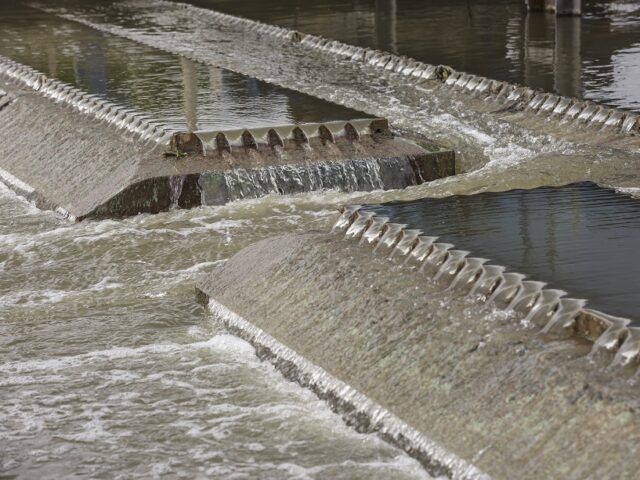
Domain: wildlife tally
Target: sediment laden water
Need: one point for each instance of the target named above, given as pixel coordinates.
(180, 93)
(353, 404)
(108, 369)
(485, 144)
(566, 236)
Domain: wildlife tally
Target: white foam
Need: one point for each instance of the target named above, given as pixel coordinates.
(633, 191)
(32, 298)
(381, 419)
(223, 343)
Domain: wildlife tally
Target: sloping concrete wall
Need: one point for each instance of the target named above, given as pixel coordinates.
(74, 153)
(496, 394)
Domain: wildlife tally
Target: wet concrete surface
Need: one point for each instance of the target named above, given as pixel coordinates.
(502, 133)
(128, 175)
(170, 88)
(594, 57)
(516, 404)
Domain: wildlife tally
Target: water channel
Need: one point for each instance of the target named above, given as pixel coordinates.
(594, 57)
(108, 369)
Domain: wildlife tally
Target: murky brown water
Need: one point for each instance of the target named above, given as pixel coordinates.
(107, 367)
(579, 238)
(172, 89)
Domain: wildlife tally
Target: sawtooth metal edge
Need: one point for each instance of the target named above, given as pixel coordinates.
(126, 119)
(141, 166)
(547, 309)
(504, 93)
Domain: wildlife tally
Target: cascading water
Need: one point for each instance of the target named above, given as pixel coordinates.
(547, 309)
(114, 360)
(135, 352)
(175, 189)
(348, 176)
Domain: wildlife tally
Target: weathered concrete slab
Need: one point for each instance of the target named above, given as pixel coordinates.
(495, 393)
(67, 150)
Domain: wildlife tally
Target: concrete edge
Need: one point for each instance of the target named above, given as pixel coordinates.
(121, 118)
(356, 408)
(27, 192)
(506, 95)
(547, 309)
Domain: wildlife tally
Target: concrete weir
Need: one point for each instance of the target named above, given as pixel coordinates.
(467, 367)
(70, 151)
(572, 119)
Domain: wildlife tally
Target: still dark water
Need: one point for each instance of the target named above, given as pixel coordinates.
(580, 238)
(595, 57)
(171, 88)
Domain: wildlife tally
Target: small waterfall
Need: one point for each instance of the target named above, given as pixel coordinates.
(544, 306)
(436, 257)
(390, 237)
(630, 349)
(176, 183)
(407, 242)
(612, 336)
(94, 106)
(506, 290)
(565, 314)
(527, 295)
(348, 176)
(346, 218)
(359, 225)
(451, 265)
(469, 274)
(421, 249)
(488, 280)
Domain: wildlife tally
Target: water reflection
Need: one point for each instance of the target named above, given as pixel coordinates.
(170, 88)
(494, 38)
(579, 238)
(190, 93)
(387, 25)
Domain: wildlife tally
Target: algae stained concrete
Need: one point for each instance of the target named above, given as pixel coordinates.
(515, 404)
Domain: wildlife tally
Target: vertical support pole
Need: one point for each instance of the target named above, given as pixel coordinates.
(568, 7)
(386, 25)
(190, 84)
(52, 60)
(567, 61)
(537, 61)
(535, 5)
(560, 7)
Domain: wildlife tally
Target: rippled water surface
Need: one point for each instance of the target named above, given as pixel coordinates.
(108, 368)
(579, 238)
(170, 88)
(595, 57)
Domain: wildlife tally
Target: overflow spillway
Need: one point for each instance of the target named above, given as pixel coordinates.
(566, 236)
(100, 159)
(401, 330)
(278, 54)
